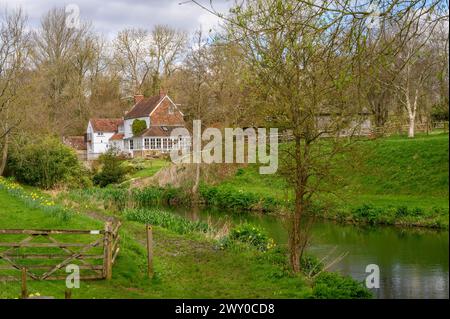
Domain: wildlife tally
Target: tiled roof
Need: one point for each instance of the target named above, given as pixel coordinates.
(158, 131)
(144, 107)
(76, 142)
(106, 125)
(117, 137)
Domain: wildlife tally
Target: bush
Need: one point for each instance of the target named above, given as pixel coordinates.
(227, 197)
(252, 235)
(404, 215)
(330, 285)
(368, 213)
(403, 211)
(112, 170)
(138, 127)
(45, 163)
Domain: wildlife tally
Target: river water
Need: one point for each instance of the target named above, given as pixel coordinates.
(413, 263)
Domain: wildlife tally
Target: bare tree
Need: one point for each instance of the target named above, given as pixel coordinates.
(167, 46)
(85, 67)
(60, 59)
(414, 62)
(195, 78)
(133, 58)
(13, 55)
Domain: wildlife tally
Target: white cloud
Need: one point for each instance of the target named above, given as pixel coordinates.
(108, 17)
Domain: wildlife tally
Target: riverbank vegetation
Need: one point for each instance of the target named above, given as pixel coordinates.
(188, 263)
(395, 181)
(391, 181)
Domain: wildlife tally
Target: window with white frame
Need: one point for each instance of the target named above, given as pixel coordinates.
(153, 143)
(158, 143)
(139, 144)
(146, 143)
(131, 145)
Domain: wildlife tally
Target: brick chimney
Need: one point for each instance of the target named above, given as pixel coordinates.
(138, 98)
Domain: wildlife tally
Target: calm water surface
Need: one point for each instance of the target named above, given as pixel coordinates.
(413, 262)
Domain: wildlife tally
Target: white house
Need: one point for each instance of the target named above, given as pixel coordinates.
(161, 116)
(99, 133)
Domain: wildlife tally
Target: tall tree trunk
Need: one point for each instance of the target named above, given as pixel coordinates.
(294, 238)
(411, 108)
(412, 121)
(4, 154)
(295, 245)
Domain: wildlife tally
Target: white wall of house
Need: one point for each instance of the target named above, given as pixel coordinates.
(99, 142)
(128, 131)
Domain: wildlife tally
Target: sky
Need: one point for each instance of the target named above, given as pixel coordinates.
(110, 16)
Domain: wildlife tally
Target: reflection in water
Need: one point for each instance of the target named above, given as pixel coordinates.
(413, 262)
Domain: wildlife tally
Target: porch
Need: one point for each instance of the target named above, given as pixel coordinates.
(156, 144)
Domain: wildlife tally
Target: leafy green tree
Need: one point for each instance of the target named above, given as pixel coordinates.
(45, 163)
(112, 170)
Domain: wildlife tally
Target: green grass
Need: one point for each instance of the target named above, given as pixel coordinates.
(186, 266)
(16, 214)
(394, 171)
(151, 167)
(399, 166)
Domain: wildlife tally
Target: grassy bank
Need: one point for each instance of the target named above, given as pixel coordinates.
(143, 168)
(187, 265)
(396, 181)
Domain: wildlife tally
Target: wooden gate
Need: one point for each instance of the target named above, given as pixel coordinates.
(46, 253)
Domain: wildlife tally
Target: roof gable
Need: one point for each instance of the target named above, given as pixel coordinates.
(144, 107)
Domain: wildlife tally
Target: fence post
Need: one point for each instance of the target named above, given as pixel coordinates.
(68, 294)
(24, 293)
(149, 251)
(107, 251)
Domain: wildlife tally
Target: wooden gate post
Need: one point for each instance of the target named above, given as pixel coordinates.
(149, 251)
(107, 251)
(24, 290)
